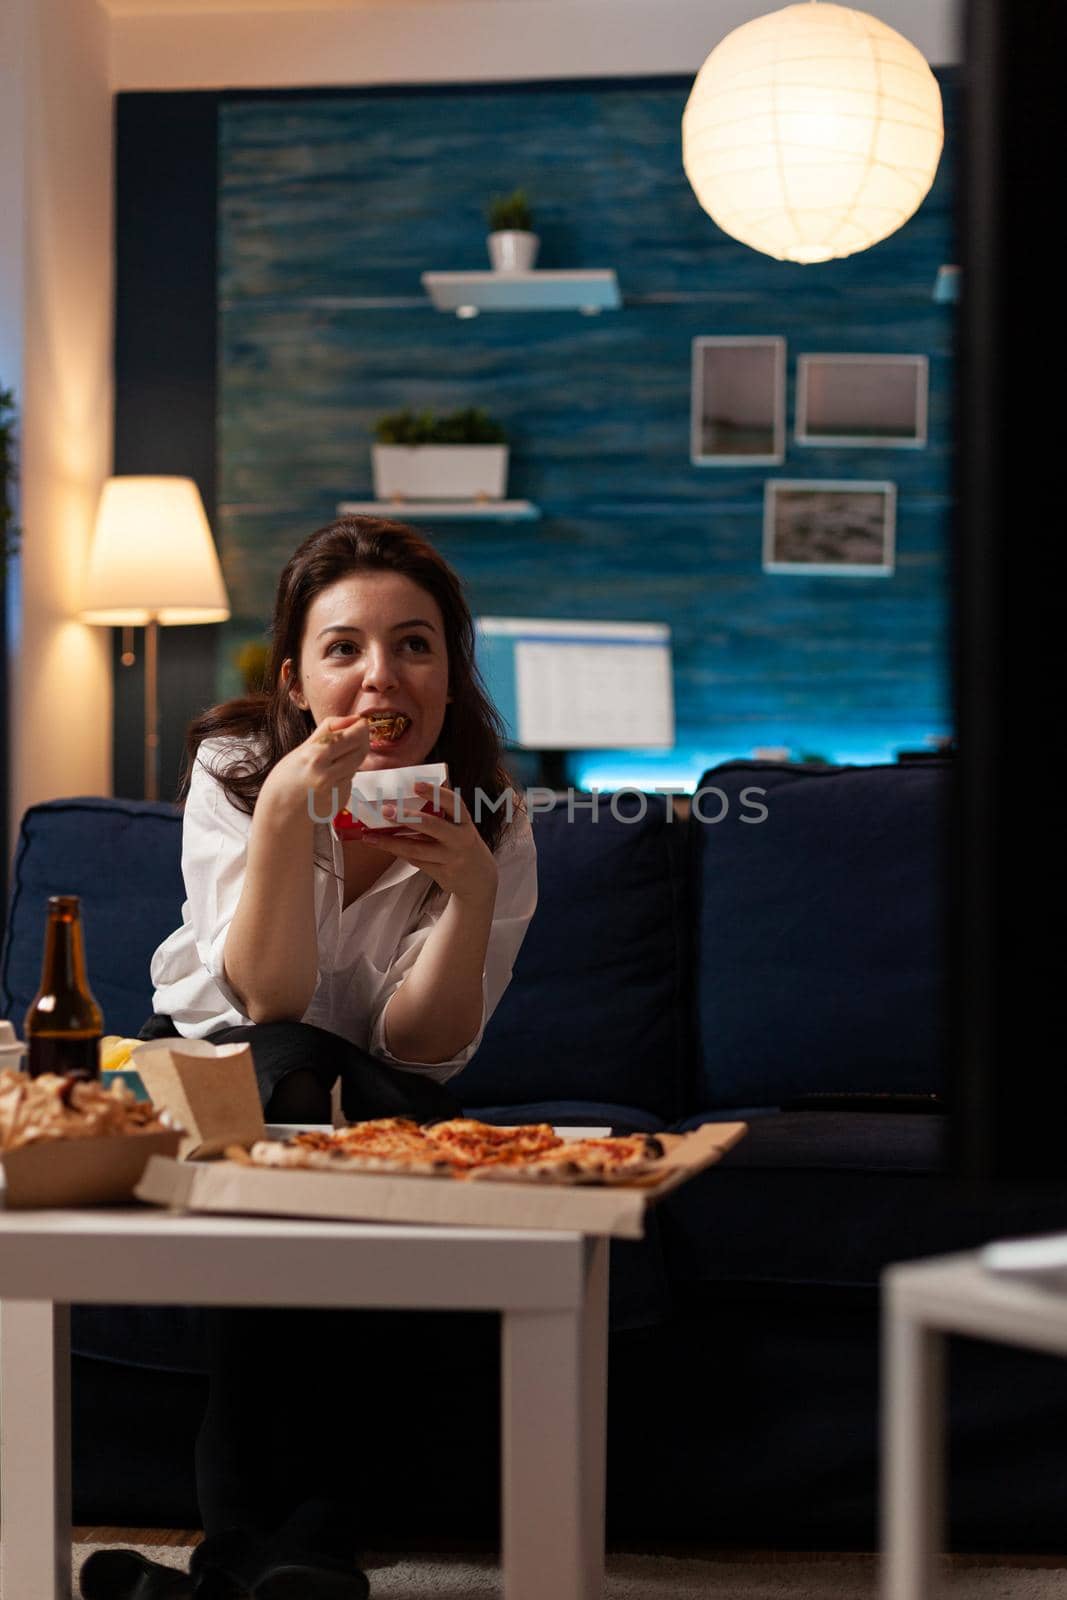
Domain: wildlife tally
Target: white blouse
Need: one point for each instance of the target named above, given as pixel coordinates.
(366, 949)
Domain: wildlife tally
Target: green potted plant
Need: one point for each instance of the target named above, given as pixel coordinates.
(461, 456)
(8, 531)
(513, 245)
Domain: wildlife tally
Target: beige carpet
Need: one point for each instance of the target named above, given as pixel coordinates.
(676, 1577)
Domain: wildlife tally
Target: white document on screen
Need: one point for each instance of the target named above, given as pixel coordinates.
(586, 694)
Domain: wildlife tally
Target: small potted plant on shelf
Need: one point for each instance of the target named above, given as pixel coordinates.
(513, 245)
(462, 456)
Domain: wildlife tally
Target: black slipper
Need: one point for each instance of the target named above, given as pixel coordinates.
(290, 1565)
(224, 1565)
(314, 1579)
(128, 1575)
(214, 1584)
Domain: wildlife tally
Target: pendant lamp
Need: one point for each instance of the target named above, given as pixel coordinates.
(812, 132)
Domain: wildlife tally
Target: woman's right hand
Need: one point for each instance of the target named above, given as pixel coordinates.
(315, 779)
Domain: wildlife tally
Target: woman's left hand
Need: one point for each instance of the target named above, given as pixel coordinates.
(449, 849)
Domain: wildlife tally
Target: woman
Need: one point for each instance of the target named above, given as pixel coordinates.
(369, 970)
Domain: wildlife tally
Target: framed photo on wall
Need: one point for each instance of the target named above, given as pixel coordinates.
(860, 400)
(832, 527)
(737, 408)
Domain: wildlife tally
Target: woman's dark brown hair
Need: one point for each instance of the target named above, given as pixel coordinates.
(471, 736)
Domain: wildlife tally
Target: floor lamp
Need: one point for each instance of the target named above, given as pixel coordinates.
(153, 563)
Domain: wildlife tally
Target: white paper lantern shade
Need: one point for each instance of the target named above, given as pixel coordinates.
(813, 132)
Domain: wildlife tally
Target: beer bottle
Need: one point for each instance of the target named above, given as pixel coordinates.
(64, 1022)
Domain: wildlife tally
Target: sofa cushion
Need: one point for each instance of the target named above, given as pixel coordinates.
(596, 1005)
(162, 1338)
(828, 1199)
(818, 930)
(123, 860)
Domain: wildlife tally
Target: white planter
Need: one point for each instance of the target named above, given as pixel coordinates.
(440, 471)
(513, 251)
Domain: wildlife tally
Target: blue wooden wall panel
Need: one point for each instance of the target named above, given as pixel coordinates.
(331, 207)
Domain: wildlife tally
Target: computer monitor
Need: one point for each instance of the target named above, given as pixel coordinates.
(564, 686)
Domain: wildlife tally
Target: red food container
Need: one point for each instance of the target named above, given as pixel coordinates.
(346, 826)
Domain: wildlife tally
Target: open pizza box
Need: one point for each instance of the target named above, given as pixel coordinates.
(617, 1209)
(210, 1090)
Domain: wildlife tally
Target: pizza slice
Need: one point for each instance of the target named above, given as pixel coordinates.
(607, 1160)
(469, 1143)
(384, 1136)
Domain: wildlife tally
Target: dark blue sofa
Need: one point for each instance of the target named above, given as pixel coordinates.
(775, 957)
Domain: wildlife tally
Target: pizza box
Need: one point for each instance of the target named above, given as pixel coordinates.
(617, 1209)
(81, 1172)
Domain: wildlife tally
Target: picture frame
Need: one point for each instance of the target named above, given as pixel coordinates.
(857, 401)
(830, 527)
(737, 401)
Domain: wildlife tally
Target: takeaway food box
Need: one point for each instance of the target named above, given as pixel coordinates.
(617, 1209)
(216, 1102)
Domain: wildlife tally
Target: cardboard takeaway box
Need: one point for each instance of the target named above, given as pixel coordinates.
(209, 1091)
(81, 1172)
(616, 1209)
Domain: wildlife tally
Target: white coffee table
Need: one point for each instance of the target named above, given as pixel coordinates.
(551, 1288)
(923, 1302)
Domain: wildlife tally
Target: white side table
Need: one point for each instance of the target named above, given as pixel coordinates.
(551, 1288)
(923, 1302)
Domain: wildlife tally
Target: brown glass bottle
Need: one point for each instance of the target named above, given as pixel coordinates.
(64, 1022)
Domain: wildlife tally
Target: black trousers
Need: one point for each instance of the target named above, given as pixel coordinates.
(297, 1066)
(280, 1445)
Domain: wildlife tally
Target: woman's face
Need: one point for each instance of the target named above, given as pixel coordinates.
(375, 642)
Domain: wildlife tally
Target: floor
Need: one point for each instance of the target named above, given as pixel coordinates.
(186, 1538)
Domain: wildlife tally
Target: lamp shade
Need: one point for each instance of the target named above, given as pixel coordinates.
(812, 132)
(153, 557)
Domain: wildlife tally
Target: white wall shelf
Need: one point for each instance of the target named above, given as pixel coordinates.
(443, 510)
(468, 293)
